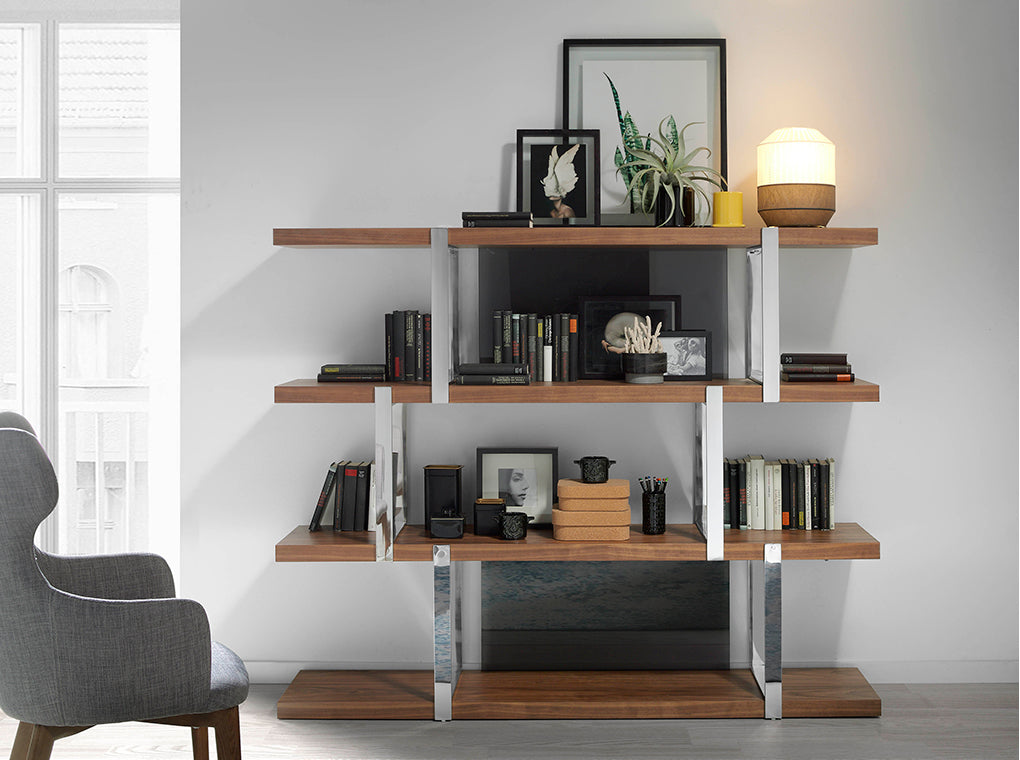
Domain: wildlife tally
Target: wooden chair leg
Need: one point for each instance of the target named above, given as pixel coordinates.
(200, 742)
(33, 742)
(227, 726)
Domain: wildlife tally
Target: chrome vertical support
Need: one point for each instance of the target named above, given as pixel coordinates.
(762, 337)
(766, 599)
(446, 630)
(442, 307)
(380, 512)
(708, 463)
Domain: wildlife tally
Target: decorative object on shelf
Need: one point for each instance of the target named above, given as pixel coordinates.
(558, 176)
(442, 491)
(449, 525)
(653, 505)
(683, 77)
(727, 208)
(604, 322)
(688, 354)
(796, 178)
(594, 469)
(513, 526)
(665, 177)
(645, 369)
(524, 478)
(486, 516)
(592, 511)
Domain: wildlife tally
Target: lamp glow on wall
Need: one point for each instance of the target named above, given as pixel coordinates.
(796, 178)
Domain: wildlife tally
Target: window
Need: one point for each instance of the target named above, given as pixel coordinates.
(89, 270)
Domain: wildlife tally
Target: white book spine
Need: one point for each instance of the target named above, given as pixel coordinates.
(832, 493)
(770, 523)
(807, 494)
(547, 363)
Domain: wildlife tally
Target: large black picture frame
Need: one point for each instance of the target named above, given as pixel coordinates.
(595, 362)
(538, 142)
(655, 78)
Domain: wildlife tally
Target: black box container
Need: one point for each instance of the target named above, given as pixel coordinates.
(446, 527)
(485, 516)
(442, 491)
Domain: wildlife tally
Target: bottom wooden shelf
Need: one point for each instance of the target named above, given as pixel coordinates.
(495, 695)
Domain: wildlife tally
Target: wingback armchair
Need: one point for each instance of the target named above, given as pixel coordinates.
(98, 639)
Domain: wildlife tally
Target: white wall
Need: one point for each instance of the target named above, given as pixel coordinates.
(325, 113)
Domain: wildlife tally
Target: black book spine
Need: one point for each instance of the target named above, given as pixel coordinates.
(539, 347)
(556, 347)
(320, 505)
(361, 498)
(345, 377)
(398, 345)
(350, 497)
(338, 493)
(823, 494)
(497, 337)
(419, 347)
(815, 496)
(812, 358)
(532, 345)
(564, 347)
(787, 486)
(734, 504)
(515, 338)
(388, 328)
(742, 492)
(508, 336)
(427, 343)
(573, 347)
(352, 369)
(409, 346)
(726, 495)
(493, 380)
(492, 369)
(801, 498)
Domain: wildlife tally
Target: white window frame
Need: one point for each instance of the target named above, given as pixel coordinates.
(41, 312)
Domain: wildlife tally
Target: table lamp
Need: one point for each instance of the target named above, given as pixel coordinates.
(796, 178)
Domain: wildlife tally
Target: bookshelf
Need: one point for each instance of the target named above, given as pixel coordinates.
(766, 689)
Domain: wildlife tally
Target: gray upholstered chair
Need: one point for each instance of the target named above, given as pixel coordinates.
(90, 640)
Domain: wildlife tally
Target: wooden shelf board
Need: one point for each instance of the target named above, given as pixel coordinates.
(574, 237)
(845, 541)
(331, 237)
(314, 392)
(326, 545)
(506, 695)
(682, 542)
(358, 695)
(308, 391)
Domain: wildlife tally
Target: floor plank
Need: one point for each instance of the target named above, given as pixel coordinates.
(919, 722)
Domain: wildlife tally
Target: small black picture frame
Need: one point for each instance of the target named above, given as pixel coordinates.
(688, 354)
(494, 471)
(596, 314)
(580, 206)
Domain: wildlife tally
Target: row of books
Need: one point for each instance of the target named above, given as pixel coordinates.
(408, 345)
(815, 368)
(782, 494)
(347, 493)
(546, 345)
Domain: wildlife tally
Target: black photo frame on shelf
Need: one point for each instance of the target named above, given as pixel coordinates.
(602, 320)
(577, 164)
(654, 79)
(524, 478)
(688, 354)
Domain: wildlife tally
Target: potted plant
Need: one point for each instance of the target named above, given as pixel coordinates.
(644, 361)
(663, 176)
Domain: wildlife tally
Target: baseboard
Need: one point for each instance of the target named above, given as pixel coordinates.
(924, 671)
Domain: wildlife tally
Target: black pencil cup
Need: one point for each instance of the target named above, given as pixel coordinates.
(653, 512)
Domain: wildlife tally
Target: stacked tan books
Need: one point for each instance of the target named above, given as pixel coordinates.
(592, 511)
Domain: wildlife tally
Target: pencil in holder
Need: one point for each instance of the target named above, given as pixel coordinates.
(653, 512)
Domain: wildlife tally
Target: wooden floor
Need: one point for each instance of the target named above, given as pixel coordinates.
(922, 722)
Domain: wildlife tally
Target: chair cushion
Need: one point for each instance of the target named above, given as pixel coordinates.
(229, 686)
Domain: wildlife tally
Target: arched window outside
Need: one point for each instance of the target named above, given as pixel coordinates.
(86, 314)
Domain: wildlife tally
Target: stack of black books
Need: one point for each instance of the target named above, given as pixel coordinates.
(351, 373)
(492, 374)
(497, 219)
(349, 490)
(408, 345)
(815, 368)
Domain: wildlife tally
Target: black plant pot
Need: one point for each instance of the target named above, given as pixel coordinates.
(682, 215)
(644, 368)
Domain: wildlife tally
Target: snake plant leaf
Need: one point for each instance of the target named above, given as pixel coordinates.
(671, 133)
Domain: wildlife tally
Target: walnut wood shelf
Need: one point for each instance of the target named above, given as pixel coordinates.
(577, 237)
(578, 392)
(679, 543)
(503, 695)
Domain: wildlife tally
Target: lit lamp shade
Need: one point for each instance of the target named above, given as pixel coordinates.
(796, 178)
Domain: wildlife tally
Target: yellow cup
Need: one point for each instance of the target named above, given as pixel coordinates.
(727, 209)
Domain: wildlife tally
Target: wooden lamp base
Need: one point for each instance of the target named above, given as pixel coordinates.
(794, 205)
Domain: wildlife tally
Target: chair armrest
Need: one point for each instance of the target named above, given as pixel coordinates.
(130, 660)
(110, 576)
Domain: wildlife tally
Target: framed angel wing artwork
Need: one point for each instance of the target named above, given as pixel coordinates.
(558, 176)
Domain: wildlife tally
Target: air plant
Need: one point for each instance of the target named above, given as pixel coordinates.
(670, 172)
